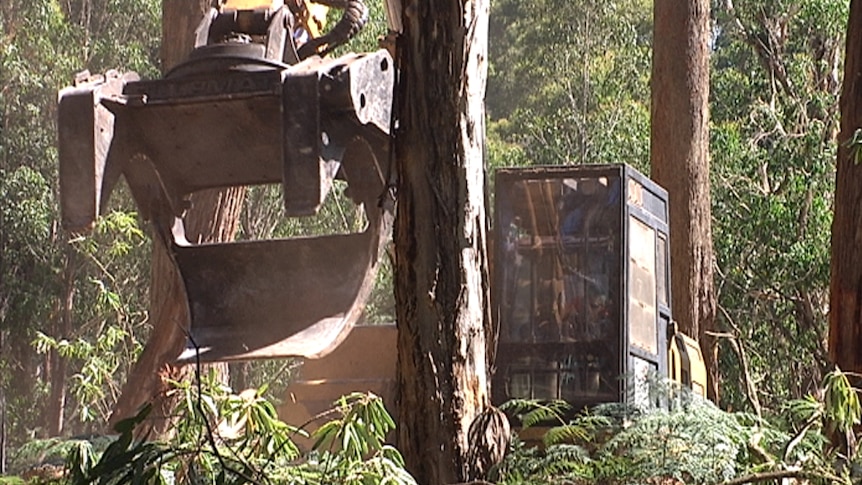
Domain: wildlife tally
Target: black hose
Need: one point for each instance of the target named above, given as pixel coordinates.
(352, 20)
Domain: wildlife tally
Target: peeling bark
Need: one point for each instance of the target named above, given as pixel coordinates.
(441, 265)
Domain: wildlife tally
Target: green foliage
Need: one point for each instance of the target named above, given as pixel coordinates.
(362, 427)
(557, 464)
(116, 259)
(104, 343)
(236, 438)
(699, 445)
(27, 256)
(29, 261)
(774, 93)
(54, 451)
(94, 381)
(693, 443)
(833, 417)
(43, 44)
(245, 421)
(367, 39)
(380, 307)
(125, 460)
(263, 215)
(841, 402)
(501, 151)
(227, 438)
(351, 448)
(565, 455)
(569, 82)
(530, 412)
(581, 430)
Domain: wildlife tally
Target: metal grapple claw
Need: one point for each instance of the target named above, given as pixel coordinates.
(236, 114)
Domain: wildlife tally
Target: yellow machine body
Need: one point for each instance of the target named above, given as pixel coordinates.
(686, 364)
(250, 4)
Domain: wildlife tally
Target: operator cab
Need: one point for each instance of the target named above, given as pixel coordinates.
(581, 284)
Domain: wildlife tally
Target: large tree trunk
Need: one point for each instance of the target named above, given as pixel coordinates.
(440, 235)
(213, 217)
(680, 161)
(845, 316)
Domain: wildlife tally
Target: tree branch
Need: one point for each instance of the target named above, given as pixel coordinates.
(750, 389)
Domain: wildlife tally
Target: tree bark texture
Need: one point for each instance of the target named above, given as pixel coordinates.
(845, 315)
(441, 266)
(213, 217)
(679, 152)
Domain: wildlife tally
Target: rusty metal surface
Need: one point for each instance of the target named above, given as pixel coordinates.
(263, 298)
(287, 297)
(84, 145)
(234, 114)
(243, 128)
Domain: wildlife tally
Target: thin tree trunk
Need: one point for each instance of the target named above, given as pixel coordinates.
(4, 301)
(239, 375)
(56, 404)
(213, 217)
(441, 264)
(2, 431)
(679, 153)
(845, 316)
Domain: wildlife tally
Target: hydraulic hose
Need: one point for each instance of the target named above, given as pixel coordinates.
(352, 20)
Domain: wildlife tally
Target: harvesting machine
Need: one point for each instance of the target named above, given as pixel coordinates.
(580, 256)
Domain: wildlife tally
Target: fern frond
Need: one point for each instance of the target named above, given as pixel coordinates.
(581, 429)
(567, 433)
(566, 453)
(531, 412)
